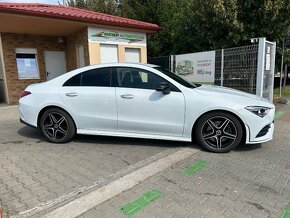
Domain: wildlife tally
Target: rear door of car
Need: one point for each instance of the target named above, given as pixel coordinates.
(91, 98)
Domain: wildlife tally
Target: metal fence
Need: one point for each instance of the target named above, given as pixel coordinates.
(247, 68)
(237, 68)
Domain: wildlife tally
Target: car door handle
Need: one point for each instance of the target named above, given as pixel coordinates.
(127, 96)
(71, 94)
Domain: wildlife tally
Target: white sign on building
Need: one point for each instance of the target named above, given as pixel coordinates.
(119, 37)
(196, 67)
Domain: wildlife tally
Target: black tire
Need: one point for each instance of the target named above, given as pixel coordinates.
(218, 132)
(57, 126)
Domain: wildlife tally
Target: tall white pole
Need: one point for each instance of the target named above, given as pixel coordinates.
(281, 72)
(260, 67)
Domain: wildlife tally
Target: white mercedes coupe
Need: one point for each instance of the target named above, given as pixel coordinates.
(145, 101)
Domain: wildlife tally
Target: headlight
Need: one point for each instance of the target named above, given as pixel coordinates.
(258, 110)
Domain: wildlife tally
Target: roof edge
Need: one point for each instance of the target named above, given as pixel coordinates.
(145, 26)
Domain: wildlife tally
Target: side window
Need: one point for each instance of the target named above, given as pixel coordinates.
(140, 79)
(96, 77)
(74, 81)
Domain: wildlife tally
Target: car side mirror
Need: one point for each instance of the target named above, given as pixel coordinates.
(163, 87)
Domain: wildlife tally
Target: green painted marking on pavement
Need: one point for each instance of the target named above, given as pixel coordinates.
(286, 212)
(141, 202)
(279, 114)
(193, 169)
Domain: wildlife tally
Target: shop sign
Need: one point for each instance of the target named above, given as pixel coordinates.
(116, 37)
(196, 67)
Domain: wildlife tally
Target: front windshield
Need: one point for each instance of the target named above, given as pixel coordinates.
(175, 77)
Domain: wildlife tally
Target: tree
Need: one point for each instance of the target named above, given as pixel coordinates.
(102, 6)
(199, 25)
(160, 12)
(77, 3)
(264, 18)
(206, 25)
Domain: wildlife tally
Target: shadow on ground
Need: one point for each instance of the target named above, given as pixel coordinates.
(33, 133)
(248, 147)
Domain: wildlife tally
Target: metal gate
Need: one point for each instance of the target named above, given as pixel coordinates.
(237, 68)
(248, 68)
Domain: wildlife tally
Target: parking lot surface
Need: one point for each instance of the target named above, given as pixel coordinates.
(252, 181)
(33, 171)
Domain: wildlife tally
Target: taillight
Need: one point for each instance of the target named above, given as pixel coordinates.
(24, 93)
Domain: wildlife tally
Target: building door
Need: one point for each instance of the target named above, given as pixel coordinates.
(109, 53)
(55, 63)
(133, 55)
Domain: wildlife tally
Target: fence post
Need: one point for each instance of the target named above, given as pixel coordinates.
(260, 68)
(273, 69)
(281, 72)
(222, 68)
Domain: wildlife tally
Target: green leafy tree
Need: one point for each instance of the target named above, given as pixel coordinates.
(206, 24)
(264, 18)
(77, 3)
(199, 25)
(160, 12)
(103, 6)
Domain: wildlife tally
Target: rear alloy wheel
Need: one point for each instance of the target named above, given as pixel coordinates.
(57, 126)
(219, 132)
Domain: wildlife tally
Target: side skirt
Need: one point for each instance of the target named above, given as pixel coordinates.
(132, 135)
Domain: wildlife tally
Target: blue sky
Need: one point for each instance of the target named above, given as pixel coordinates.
(35, 1)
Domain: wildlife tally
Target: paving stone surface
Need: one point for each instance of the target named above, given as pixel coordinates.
(252, 181)
(33, 171)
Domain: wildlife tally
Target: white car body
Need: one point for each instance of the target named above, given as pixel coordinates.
(144, 113)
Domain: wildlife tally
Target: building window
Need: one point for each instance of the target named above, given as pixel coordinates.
(27, 66)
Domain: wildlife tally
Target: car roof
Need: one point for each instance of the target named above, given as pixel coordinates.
(127, 64)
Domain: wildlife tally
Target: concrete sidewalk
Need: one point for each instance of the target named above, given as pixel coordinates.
(252, 181)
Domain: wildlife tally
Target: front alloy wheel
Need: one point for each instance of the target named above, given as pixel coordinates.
(219, 132)
(57, 126)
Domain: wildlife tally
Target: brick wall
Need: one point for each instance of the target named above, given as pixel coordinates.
(11, 41)
(73, 41)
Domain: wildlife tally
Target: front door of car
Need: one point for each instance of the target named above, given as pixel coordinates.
(142, 109)
(92, 99)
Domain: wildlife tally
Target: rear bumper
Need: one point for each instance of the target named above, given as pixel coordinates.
(28, 114)
(27, 124)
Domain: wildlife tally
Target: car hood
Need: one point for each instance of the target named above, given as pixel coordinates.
(225, 92)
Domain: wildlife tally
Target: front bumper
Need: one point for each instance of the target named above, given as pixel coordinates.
(260, 130)
(253, 139)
